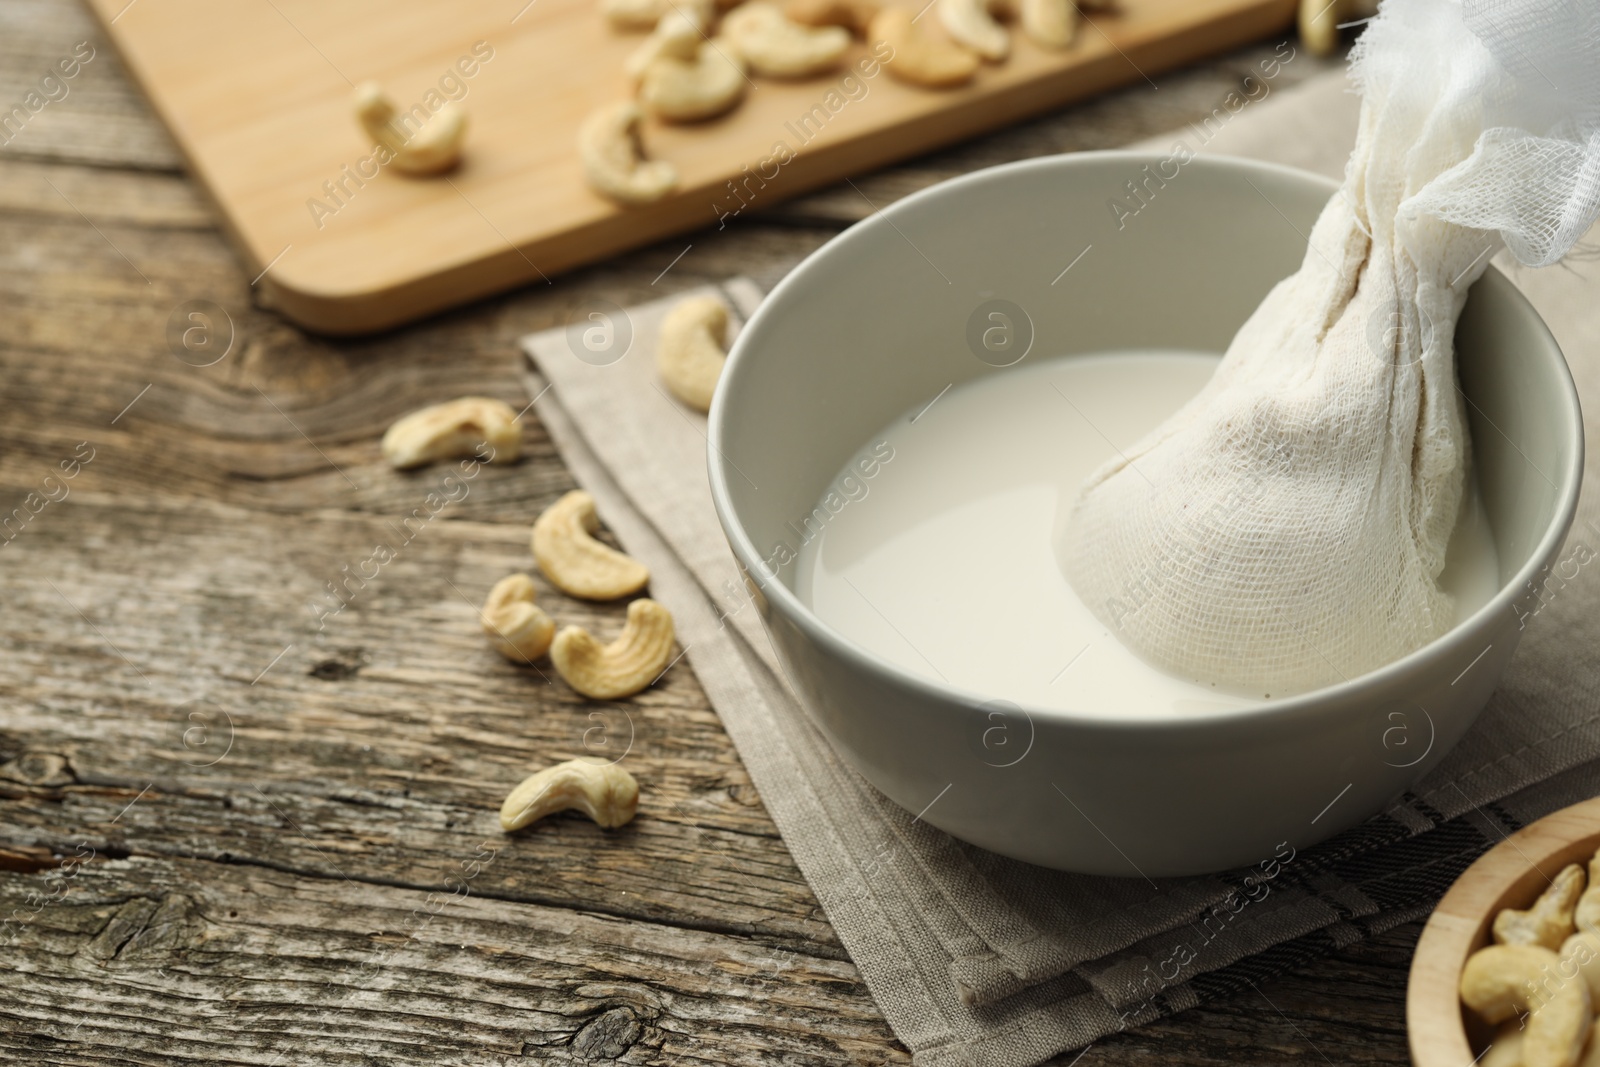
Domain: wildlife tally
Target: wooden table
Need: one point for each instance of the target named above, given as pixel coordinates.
(232, 835)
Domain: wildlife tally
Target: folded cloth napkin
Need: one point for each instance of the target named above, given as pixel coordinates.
(977, 959)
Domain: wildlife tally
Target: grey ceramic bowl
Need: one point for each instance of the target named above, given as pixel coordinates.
(877, 321)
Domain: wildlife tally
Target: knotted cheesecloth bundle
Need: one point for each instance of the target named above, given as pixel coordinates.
(1287, 528)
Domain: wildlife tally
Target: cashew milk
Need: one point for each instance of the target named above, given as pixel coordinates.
(942, 562)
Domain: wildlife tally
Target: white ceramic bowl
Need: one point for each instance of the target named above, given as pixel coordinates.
(877, 320)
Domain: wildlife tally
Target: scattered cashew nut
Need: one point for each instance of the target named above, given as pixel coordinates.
(918, 57)
(969, 22)
(853, 15)
(565, 548)
(1549, 922)
(1501, 981)
(612, 157)
(688, 90)
(636, 658)
(434, 147)
(676, 36)
(453, 430)
(779, 48)
(517, 628)
(603, 791)
(690, 356)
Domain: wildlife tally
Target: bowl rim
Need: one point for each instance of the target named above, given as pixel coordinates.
(1435, 1033)
(780, 597)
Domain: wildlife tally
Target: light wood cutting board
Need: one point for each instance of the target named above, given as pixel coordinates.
(257, 94)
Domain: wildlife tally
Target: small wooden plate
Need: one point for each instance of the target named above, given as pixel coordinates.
(1511, 874)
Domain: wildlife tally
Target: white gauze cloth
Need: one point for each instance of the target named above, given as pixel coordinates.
(1287, 528)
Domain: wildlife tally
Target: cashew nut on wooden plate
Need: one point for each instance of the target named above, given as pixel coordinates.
(917, 56)
(1545, 971)
(969, 22)
(613, 159)
(1582, 950)
(432, 148)
(1506, 1051)
(689, 90)
(1586, 916)
(1550, 921)
(690, 355)
(853, 15)
(454, 430)
(1048, 23)
(1503, 981)
(636, 658)
(517, 628)
(565, 548)
(777, 47)
(603, 791)
(633, 14)
(676, 36)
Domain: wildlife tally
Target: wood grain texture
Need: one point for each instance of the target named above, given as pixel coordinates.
(259, 98)
(300, 899)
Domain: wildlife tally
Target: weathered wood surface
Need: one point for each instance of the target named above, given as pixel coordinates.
(231, 833)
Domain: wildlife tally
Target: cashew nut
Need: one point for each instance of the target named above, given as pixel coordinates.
(853, 15)
(646, 14)
(636, 658)
(1549, 922)
(433, 147)
(1582, 950)
(688, 90)
(970, 23)
(633, 14)
(677, 36)
(518, 629)
(690, 355)
(612, 157)
(1506, 1048)
(1587, 914)
(1501, 981)
(603, 791)
(778, 48)
(570, 557)
(1049, 23)
(918, 57)
(452, 430)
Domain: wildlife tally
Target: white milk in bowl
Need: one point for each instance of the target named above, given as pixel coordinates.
(933, 546)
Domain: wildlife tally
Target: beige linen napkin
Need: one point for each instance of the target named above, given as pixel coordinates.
(976, 959)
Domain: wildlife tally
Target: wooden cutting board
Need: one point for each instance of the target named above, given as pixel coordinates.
(257, 94)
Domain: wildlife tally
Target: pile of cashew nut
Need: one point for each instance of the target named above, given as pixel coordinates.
(698, 56)
(1540, 981)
